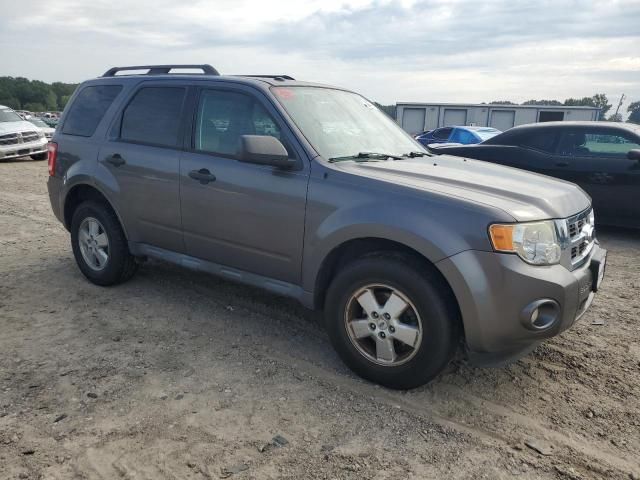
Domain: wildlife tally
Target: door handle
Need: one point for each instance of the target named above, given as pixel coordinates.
(116, 160)
(562, 164)
(203, 175)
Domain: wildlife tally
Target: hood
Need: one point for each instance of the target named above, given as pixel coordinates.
(13, 127)
(525, 196)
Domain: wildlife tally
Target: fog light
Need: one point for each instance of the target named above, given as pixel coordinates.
(534, 315)
(540, 315)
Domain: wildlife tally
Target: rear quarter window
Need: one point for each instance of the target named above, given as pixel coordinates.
(88, 108)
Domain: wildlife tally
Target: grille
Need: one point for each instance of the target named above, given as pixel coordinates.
(10, 139)
(29, 136)
(17, 138)
(575, 227)
(581, 237)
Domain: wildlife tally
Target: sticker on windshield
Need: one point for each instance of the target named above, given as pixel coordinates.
(284, 93)
(367, 105)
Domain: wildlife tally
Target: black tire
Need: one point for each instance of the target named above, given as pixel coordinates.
(39, 156)
(121, 265)
(433, 301)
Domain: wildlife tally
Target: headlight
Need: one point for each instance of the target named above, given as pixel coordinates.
(536, 243)
(40, 134)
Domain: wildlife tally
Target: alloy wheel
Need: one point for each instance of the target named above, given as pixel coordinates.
(383, 324)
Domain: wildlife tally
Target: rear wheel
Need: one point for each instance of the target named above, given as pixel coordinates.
(391, 323)
(99, 245)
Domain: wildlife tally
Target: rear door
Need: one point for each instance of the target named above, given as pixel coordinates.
(596, 159)
(143, 156)
(246, 216)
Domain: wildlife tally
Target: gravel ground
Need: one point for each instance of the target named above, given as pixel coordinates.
(181, 375)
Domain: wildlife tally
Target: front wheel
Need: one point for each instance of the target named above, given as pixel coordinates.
(39, 156)
(391, 323)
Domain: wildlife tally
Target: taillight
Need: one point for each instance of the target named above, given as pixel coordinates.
(52, 155)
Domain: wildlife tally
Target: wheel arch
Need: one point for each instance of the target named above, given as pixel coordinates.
(82, 192)
(356, 248)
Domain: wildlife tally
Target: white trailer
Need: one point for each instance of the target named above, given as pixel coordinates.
(418, 117)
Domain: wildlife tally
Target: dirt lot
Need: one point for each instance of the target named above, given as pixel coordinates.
(181, 375)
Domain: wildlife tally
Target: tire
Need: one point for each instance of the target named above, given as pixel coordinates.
(430, 307)
(119, 265)
(39, 156)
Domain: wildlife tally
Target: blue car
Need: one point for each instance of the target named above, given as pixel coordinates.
(459, 135)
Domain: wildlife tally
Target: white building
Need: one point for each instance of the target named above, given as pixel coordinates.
(418, 117)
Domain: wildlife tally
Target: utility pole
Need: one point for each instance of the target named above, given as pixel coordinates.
(619, 104)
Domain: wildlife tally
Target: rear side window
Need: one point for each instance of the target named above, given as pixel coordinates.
(88, 109)
(542, 140)
(442, 133)
(153, 116)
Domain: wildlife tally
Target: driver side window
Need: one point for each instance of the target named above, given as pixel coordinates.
(223, 117)
(596, 143)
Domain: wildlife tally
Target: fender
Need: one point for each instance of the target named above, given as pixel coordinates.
(83, 174)
(430, 233)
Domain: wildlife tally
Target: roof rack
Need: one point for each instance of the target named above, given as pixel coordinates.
(275, 77)
(161, 69)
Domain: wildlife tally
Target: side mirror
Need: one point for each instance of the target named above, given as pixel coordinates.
(634, 154)
(264, 150)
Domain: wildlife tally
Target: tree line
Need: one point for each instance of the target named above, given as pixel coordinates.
(23, 94)
(599, 100)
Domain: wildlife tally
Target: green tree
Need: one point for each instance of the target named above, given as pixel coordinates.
(62, 101)
(34, 107)
(388, 109)
(616, 117)
(502, 102)
(600, 100)
(542, 102)
(20, 92)
(634, 113)
(580, 102)
(11, 102)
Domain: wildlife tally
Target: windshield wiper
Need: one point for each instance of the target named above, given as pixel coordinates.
(365, 156)
(417, 154)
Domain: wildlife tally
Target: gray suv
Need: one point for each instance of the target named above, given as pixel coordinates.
(311, 192)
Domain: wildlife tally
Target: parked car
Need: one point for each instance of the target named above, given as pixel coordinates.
(46, 129)
(602, 157)
(19, 138)
(51, 120)
(24, 114)
(312, 192)
(457, 135)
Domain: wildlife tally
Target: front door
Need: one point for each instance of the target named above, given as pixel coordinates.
(596, 159)
(250, 217)
(143, 158)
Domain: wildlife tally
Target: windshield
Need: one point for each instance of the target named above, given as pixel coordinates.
(37, 122)
(8, 115)
(343, 124)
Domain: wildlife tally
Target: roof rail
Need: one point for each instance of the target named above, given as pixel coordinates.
(275, 77)
(161, 69)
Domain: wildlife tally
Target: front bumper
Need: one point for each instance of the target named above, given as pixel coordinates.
(23, 149)
(494, 289)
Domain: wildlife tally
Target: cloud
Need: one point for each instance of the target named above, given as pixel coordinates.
(437, 50)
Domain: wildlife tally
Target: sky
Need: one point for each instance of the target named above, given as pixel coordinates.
(388, 50)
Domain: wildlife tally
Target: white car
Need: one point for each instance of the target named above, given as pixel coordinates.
(46, 129)
(19, 138)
